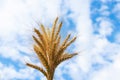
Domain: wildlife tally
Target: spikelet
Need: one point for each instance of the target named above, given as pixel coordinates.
(48, 33)
(48, 42)
(58, 31)
(53, 50)
(38, 68)
(70, 42)
(53, 28)
(62, 49)
(45, 36)
(64, 57)
(42, 58)
(65, 41)
(57, 47)
(40, 36)
(58, 41)
(39, 43)
(44, 31)
(51, 53)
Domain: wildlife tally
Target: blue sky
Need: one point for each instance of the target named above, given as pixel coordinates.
(95, 22)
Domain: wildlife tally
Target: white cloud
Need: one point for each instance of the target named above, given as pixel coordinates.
(105, 1)
(117, 38)
(110, 72)
(81, 16)
(95, 45)
(116, 10)
(9, 73)
(106, 27)
(104, 10)
(74, 72)
(16, 23)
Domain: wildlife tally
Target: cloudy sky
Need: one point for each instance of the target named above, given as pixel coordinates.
(95, 22)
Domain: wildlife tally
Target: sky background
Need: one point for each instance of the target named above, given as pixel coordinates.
(95, 22)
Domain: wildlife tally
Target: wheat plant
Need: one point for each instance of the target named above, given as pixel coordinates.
(49, 48)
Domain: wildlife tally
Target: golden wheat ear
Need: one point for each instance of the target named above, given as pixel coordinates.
(58, 30)
(65, 57)
(49, 48)
(42, 57)
(37, 67)
(39, 43)
(41, 36)
(54, 28)
(44, 31)
(63, 48)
